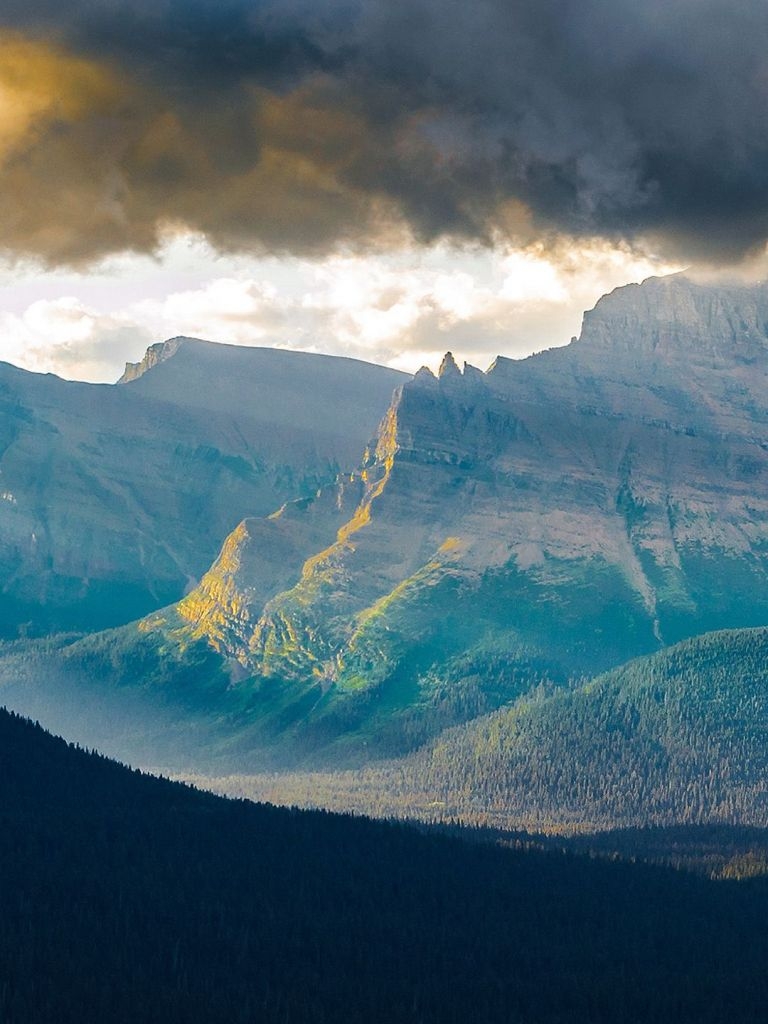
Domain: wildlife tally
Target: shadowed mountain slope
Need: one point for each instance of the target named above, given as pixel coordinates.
(115, 499)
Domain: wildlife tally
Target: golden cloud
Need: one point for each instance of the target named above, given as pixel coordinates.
(41, 85)
(93, 162)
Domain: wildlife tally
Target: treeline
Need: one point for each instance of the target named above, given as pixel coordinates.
(717, 851)
(126, 898)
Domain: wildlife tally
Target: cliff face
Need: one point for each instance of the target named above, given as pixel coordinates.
(115, 499)
(571, 510)
(677, 321)
(154, 355)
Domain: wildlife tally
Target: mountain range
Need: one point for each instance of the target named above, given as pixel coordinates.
(573, 509)
(505, 538)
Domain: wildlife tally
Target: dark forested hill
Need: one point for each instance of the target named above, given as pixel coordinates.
(132, 900)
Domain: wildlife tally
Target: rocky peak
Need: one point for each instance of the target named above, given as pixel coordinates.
(424, 378)
(448, 367)
(473, 376)
(673, 318)
(155, 354)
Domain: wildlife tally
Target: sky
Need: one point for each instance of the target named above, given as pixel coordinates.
(386, 179)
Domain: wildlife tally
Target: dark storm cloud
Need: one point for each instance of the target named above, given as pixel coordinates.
(294, 125)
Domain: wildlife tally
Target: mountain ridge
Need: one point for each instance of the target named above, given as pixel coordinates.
(115, 499)
(161, 351)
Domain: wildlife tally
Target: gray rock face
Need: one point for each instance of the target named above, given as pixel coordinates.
(300, 401)
(678, 321)
(597, 500)
(115, 499)
(155, 354)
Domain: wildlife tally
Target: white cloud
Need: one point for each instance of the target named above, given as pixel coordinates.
(231, 310)
(66, 337)
(529, 279)
(404, 308)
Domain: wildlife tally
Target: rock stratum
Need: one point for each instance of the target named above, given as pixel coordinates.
(115, 499)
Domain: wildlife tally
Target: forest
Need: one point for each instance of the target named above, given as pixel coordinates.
(130, 898)
(675, 738)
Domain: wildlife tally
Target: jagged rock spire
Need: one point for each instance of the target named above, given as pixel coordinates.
(448, 366)
(471, 373)
(424, 379)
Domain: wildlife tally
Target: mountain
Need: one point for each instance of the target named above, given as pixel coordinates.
(131, 898)
(678, 737)
(550, 518)
(115, 499)
(533, 525)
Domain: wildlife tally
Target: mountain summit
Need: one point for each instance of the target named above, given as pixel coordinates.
(448, 367)
(673, 318)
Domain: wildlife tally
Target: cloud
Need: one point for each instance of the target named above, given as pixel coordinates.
(403, 308)
(66, 337)
(290, 126)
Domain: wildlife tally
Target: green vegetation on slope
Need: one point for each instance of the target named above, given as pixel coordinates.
(677, 737)
(440, 651)
(437, 653)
